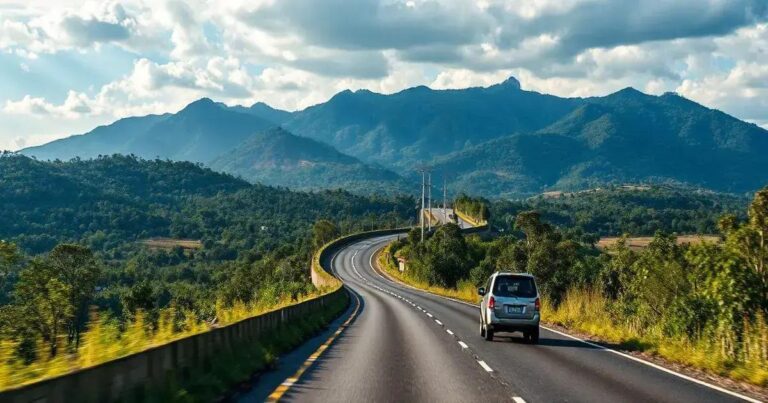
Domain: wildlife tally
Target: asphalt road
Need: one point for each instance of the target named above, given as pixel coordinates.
(443, 218)
(406, 345)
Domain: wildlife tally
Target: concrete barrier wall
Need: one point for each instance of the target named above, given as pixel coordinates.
(129, 377)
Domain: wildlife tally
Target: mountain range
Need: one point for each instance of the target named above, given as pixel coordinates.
(495, 141)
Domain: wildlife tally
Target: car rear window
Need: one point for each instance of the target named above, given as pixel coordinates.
(514, 286)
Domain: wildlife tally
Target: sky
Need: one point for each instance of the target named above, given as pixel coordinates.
(68, 66)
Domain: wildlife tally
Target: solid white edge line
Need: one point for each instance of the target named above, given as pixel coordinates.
(485, 366)
(658, 367)
(633, 358)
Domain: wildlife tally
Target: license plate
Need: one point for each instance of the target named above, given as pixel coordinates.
(515, 309)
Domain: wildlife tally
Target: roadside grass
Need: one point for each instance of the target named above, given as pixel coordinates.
(587, 311)
(465, 290)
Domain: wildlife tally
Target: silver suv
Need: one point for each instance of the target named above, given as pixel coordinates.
(510, 304)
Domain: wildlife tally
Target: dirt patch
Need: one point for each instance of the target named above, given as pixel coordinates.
(641, 242)
(170, 243)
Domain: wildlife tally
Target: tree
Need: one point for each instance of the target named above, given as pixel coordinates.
(750, 242)
(10, 257)
(323, 232)
(77, 268)
(43, 301)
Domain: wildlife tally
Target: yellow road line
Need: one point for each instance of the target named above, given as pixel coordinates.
(278, 393)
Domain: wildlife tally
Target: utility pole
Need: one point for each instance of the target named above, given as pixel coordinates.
(429, 201)
(445, 197)
(421, 211)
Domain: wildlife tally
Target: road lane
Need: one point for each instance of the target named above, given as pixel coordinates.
(392, 352)
(444, 217)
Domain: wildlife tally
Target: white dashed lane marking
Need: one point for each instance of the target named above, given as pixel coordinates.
(485, 366)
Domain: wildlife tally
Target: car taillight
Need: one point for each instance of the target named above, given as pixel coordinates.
(537, 304)
(491, 303)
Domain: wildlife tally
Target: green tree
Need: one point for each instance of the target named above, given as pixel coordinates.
(78, 269)
(43, 301)
(323, 232)
(750, 242)
(10, 258)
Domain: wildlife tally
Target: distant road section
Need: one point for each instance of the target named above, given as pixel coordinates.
(445, 216)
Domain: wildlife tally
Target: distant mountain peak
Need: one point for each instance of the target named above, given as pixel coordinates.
(629, 91)
(511, 82)
(200, 104)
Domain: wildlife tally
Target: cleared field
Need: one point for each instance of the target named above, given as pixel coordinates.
(170, 243)
(637, 243)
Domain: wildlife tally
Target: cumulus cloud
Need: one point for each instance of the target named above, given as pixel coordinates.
(295, 53)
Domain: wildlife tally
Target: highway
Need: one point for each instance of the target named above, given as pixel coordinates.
(407, 345)
(444, 218)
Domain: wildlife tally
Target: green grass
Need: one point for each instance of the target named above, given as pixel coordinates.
(464, 291)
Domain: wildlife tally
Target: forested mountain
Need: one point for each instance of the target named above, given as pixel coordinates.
(495, 141)
(277, 157)
(199, 133)
(417, 124)
(626, 137)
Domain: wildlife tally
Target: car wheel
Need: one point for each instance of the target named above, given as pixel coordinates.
(488, 334)
(534, 336)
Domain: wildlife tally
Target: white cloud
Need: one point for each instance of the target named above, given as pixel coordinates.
(295, 53)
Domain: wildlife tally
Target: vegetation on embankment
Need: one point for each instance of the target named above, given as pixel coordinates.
(703, 305)
(464, 291)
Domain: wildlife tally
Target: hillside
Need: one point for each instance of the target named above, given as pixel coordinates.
(198, 133)
(417, 124)
(625, 137)
(632, 210)
(279, 158)
(110, 202)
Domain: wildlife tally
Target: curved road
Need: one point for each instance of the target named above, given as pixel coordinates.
(407, 345)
